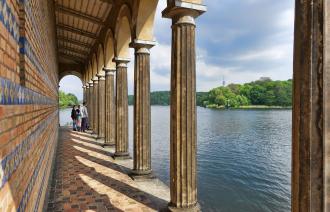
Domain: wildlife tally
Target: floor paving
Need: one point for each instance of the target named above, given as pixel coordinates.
(87, 178)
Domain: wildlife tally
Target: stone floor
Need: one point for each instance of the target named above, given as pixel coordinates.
(86, 178)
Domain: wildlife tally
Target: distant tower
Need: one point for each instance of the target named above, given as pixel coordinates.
(223, 81)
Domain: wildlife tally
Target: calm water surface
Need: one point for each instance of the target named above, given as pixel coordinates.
(244, 157)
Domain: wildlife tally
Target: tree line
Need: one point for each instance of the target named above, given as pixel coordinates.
(67, 100)
(264, 92)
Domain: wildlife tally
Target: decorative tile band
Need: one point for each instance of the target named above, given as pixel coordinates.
(14, 94)
(9, 20)
(10, 163)
(27, 192)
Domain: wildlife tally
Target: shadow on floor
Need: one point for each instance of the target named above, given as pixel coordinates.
(85, 178)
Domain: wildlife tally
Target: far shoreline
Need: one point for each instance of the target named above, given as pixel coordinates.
(251, 107)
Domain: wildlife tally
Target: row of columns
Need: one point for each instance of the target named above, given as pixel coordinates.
(107, 101)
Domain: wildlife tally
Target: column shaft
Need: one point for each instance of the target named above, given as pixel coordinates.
(91, 106)
(311, 109)
(142, 116)
(183, 115)
(95, 107)
(110, 114)
(101, 107)
(84, 93)
(121, 110)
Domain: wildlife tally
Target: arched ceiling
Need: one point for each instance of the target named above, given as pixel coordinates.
(82, 25)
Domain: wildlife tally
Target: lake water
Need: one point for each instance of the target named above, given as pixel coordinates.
(244, 157)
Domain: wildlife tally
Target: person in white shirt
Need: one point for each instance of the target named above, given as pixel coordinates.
(84, 116)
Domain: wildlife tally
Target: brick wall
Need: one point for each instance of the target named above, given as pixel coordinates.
(28, 102)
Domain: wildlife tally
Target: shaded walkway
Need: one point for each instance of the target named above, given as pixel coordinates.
(87, 178)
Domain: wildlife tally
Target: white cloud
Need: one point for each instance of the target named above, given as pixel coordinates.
(274, 52)
(286, 19)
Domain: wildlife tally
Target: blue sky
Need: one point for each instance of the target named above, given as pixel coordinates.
(240, 40)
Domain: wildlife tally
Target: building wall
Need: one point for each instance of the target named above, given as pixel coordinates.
(28, 102)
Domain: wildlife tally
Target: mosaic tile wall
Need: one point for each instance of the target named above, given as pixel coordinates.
(28, 102)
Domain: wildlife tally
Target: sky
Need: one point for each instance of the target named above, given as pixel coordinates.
(238, 40)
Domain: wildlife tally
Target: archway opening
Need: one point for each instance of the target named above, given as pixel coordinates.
(70, 94)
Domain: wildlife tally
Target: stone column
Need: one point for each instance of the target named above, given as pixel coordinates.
(121, 109)
(91, 106)
(142, 116)
(84, 93)
(311, 107)
(87, 98)
(183, 147)
(95, 106)
(101, 107)
(110, 107)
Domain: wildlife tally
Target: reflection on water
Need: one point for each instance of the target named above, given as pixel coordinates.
(244, 157)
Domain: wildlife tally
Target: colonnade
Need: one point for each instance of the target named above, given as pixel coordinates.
(106, 95)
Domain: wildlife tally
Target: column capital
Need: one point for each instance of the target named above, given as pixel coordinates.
(87, 84)
(84, 86)
(109, 71)
(177, 9)
(95, 78)
(142, 44)
(100, 77)
(121, 62)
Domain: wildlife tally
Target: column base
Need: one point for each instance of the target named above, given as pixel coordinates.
(108, 145)
(121, 156)
(93, 134)
(196, 208)
(100, 138)
(142, 175)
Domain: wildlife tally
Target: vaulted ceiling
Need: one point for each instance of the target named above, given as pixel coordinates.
(78, 24)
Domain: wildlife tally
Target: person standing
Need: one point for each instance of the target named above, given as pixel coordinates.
(84, 115)
(74, 118)
(78, 118)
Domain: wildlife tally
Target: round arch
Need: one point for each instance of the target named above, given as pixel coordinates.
(109, 50)
(74, 73)
(123, 33)
(100, 59)
(89, 72)
(94, 66)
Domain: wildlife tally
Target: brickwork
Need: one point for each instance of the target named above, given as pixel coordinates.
(28, 102)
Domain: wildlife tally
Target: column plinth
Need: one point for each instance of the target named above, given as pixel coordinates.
(183, 145)
(121, 110)
(101, 107)
(110, 108)
(142, 110)
(95, 106)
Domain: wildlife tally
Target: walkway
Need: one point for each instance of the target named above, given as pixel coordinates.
(88, 179)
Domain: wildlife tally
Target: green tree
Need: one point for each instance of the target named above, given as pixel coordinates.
(67, 100)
